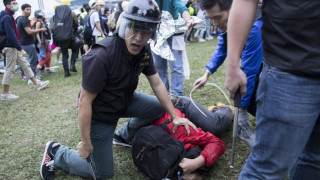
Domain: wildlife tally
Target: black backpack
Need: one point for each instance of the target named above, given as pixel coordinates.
(87, 30)
(62, 25)
(156, 153)
(3, 37)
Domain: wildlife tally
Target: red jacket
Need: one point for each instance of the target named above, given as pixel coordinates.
(213, 147)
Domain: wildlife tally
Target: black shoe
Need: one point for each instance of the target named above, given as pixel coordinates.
(47, 165)
(119, 141)
(73, 69)
(67, 74)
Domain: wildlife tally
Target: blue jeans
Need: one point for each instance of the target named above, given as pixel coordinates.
(32, 56)
(145, 108)
(176, 68)
(287, 129)
(65, 57)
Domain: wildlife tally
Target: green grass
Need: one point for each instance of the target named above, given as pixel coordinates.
(28, 123)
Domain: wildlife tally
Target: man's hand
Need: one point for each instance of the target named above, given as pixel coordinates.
(183, 121)
(84, 149)
(235, 79)
(23, 53)
(190, 24)
(188, 165)
(42, 30)
(199, 83)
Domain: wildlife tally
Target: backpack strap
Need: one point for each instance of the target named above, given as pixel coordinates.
(164, 125)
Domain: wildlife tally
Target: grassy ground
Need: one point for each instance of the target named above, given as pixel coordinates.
(28, 123)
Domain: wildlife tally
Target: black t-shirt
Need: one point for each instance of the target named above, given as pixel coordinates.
(110, 71)
(26, 39)
(291, 36)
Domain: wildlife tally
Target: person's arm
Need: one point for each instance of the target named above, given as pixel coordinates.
(11, 36)
(99, 28)
(96, 19)
(214, 63)
(162, 94)
(240, 22)
(38, 24)
(85, 114)
(34, 31)
(189, 165)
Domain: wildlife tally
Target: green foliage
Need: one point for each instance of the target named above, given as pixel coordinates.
(29, 122)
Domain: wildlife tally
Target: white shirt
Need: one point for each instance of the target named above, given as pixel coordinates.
(93, 19)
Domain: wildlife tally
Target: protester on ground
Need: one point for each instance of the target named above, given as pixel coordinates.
(27, 36)
(288, 96)
(174, 7)
(212, 147)
(251, 57)
(14, 53)
(108, 94)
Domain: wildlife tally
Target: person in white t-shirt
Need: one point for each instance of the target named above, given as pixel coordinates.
(95, 21)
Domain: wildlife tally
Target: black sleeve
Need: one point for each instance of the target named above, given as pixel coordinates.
(25, 22)
(94, 70)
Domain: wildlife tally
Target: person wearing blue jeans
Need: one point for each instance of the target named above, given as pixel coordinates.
(144, 108)
(176, 67)
(27, 36)
(174, 7)
(110, 76)
(288, 96)
(251, 58)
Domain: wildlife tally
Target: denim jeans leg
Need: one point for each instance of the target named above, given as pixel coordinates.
(287, 111)
(32, 56)
(176, 67)
(65, 58)
(308, 164)
(102, 158)
(162, 68)
(144, 109)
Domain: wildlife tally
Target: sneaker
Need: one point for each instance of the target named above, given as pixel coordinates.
(30, 82)
(9, 97)
(246, 134)
(209, 38)
(201, 40)
(119, 141)
(47, 164)
(41, 85)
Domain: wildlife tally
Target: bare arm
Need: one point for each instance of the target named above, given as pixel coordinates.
(239, 25)
(99, 28)
(85, 114)
(162, 94)
(34, 31)
(38, 25)
(189, 165)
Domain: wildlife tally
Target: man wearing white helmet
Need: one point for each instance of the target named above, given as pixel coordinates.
(110, 77)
